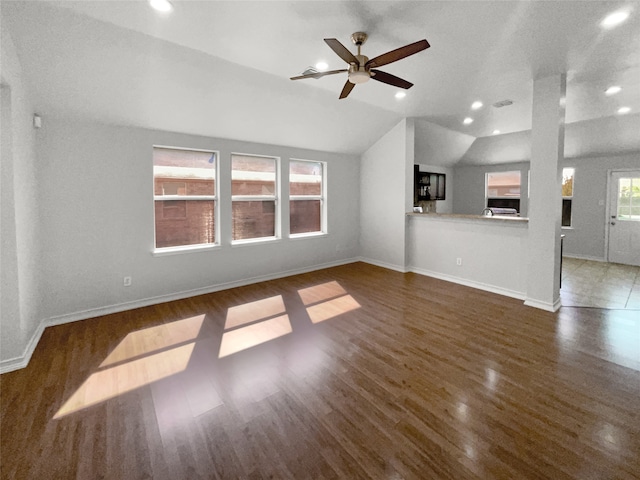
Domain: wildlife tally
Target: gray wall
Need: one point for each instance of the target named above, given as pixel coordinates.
(19, 229)
(386, 194)
(586, 237)
(468, 183)
(96, 205)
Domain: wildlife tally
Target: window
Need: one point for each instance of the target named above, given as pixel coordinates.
(254, 190)
(629, 199)
(567, 195)
(184, 193)
(306, 199)
(503, 190)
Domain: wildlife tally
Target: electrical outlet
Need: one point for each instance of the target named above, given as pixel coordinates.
(127, 281)
(459, 261)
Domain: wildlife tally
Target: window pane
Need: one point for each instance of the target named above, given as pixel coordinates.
(566, 212)
(305, 178)
(503, 184)
(627, 197)
(305, 216)
(253, 175)
(184, 222)
(624, 212)
(183, 172)
(567, 182)
(253, 219)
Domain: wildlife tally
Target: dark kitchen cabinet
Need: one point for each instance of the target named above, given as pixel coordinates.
(428, 185)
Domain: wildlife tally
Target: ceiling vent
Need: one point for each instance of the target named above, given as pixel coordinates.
(503, 103)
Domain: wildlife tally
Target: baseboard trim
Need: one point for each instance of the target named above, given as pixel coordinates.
(470, 283)
(22, 361)
(585, 257)
(378, 263)
(549, 307)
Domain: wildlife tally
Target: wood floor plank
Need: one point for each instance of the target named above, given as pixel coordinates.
(380, 375)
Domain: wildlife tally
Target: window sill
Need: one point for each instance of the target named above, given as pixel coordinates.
(566, 228)
(161, 252)
(254, 241)
(299, 236)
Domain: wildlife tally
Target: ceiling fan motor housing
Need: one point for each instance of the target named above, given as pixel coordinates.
(358, 73)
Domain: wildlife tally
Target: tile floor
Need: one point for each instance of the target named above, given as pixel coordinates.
(586, 283)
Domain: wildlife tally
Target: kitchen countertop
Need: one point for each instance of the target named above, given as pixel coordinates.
(459, 216)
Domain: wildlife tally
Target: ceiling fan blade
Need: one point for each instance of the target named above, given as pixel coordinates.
(319, 74)
(385, 77)
(346, 90)
(397, 54)
(341, 50)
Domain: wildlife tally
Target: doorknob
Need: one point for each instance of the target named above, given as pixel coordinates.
(613, 223)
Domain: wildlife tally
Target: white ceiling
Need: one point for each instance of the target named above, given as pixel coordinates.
(221, 68)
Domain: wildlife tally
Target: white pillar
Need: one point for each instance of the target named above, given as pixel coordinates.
(545, 195)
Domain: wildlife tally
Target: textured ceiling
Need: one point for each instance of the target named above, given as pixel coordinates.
(221, 68)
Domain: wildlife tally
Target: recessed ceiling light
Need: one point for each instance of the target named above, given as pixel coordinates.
(161, 5)
(496, 132)
(401, 95)
(623, 110)
(612, 90)
(476, 105)
(467, 120)
(614, 19)
(321, 66)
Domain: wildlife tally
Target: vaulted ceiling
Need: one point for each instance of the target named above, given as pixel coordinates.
(222, 69)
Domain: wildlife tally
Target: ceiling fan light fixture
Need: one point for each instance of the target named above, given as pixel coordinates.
(359, 76)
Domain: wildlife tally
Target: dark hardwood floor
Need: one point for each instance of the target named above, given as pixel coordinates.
(349, 372)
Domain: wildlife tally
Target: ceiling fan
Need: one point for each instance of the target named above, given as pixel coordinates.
(361, 69)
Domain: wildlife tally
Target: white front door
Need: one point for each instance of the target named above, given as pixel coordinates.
(624, 217)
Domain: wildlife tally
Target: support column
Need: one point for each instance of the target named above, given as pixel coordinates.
(545, 194)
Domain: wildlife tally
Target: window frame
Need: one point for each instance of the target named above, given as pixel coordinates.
(158, 251)
(257, 198)
(498, 197)
(569, 198)
(322, 198)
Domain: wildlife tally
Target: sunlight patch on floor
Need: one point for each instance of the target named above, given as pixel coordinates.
(243, 338)
(327, 300)
(254, 311)
(111, 382)
(160, 337)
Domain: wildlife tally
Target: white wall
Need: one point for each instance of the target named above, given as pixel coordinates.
(436, 145)
(386, 194)
(95, 225)
(586, 237)
(469, 185)
(97, 219)
(19, 281)
(492, 252)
